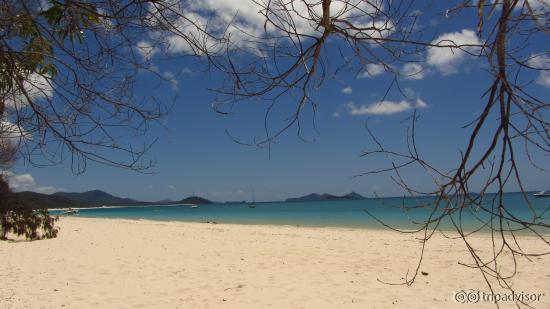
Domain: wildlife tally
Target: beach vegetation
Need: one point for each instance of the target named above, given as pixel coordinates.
(21, 221)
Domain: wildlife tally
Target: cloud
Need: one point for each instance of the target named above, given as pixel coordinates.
(11, 136)
(167, 76)
(371, 70)
(171, 187)
(18, 181)
(542, 63)
(26, 182)
(538, 6)
(347, 90)
(12, 132)
(146, 49)
(242, 22)
(186, 70)
(171, 78)
(409, 93)
(421, 103)
(447, 59)
(47, 189)
(384, 107)
(412, 71)
(380, 29)
(36, 87)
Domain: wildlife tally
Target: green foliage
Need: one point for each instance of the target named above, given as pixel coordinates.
(29, 31)
(33, 224)
(54, 14)
(22, 221)
(70, 21)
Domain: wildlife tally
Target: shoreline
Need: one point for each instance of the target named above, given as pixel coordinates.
(108, 207)
(125, 263)
(378, 226)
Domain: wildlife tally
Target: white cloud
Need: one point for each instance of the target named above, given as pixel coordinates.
(542, 63)
(421, 103)
(36, 87)
(384, 107)
(538, 6)
(11, 136)
(242, 21)
(412, 71)
(239, 22)
(47, 189)
(26, 182)
(306, 15)
(447, 59)
(171, 187)
(171, 78)
(347, 90)
(146, 49)
(409, 93)
(18, 181)
(188, 29)
(186, 70)
(12, 132)
(178, 44)
(377, 29)
(544, 79)
(379, 108)
(371, 70)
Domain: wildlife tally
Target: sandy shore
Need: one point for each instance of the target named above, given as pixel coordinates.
(104, 263)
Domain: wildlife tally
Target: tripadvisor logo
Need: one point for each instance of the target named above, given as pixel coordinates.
(474, 296)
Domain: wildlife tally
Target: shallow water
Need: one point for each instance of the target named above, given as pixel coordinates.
(349, 214)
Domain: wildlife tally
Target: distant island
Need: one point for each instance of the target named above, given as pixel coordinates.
(197, 200)
(98, 198)
(94, 198)
(313, 197)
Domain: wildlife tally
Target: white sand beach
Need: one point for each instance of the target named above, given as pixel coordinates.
(112, 263)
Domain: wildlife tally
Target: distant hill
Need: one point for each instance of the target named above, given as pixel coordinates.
(164, 202)
(99, 198)
(325, 197)
(39, 200)
(95, 198)
(197, 200)
(349, 196)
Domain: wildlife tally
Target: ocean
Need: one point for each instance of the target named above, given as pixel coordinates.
(338, 213)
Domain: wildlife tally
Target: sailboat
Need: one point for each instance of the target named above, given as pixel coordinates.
(253, 204)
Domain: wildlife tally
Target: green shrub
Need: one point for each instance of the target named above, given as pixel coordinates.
(17, 219)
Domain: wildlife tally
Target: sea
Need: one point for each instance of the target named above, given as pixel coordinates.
(405, 213)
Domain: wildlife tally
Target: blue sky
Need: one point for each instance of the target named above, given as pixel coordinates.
(194, 154)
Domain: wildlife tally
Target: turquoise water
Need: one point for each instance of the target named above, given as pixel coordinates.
(326, 213)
